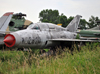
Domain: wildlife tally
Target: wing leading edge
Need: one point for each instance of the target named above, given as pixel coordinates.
(72, 40)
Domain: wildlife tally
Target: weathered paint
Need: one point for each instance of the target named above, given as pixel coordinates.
(40, 35)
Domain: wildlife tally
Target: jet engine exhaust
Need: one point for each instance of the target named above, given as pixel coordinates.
(9, 40)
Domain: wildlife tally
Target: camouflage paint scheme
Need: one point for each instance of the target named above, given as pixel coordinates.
(93, 33)
(19, 24)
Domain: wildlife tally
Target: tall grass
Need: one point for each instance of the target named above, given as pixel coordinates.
(85, 61)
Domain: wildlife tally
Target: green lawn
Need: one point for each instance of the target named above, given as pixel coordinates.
(85, 61)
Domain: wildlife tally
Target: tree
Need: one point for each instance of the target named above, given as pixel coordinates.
(63, 20)
(50, 16)
(93, 21)
(83, 24)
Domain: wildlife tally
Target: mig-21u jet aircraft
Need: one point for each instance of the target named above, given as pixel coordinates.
(44, 35)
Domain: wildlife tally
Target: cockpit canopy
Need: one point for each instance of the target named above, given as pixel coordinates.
(45, 27)
(33, 26)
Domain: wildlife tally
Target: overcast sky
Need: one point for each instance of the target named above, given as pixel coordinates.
(86, 8)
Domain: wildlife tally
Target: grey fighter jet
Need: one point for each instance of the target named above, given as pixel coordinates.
(44, 35)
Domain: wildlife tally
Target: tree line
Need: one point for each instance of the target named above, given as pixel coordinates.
(53, 16)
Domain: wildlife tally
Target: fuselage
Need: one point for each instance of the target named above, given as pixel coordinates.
(39, 36)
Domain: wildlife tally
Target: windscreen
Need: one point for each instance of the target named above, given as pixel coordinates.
(33, 26)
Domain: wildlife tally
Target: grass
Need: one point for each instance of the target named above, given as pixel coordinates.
(85, 61)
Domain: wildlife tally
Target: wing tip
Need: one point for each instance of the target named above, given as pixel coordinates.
(8, 13)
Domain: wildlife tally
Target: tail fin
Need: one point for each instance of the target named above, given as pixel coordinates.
(4, 21)
(73, 25)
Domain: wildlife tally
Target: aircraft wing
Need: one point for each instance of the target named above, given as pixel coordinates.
(1, 40)
(3, 32)
(72, 40)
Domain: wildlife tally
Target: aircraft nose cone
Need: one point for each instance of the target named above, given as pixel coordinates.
(9, 40)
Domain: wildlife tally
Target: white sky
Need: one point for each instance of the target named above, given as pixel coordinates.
(32, 8)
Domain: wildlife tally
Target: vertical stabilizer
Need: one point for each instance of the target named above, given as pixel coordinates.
(73, 25)
(4, 21)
